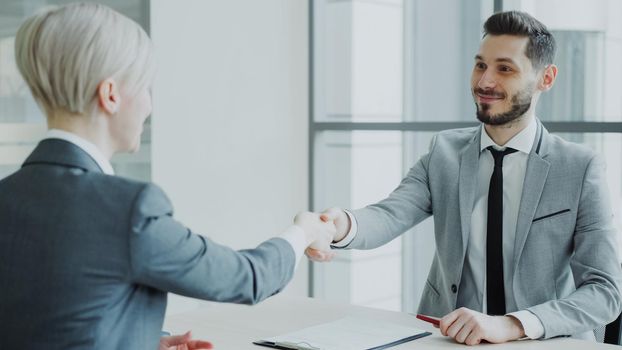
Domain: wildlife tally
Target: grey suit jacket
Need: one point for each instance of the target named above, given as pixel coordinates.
(566, 268)
(87, 259)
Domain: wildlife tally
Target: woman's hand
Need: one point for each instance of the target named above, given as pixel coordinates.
(183, 342)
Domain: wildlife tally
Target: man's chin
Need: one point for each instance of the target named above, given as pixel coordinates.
(490, 119)
(497, 120)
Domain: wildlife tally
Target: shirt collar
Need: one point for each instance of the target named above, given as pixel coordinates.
(522, 142)
(85, 145)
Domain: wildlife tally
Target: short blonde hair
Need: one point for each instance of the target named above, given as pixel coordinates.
(64, 52)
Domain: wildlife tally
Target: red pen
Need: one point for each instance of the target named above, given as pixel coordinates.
(432, 320)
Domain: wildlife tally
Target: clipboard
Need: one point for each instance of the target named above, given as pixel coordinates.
(346, 333)
(292, 346)
(284, 345)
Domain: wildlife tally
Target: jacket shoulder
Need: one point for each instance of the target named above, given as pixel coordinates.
(142, 200)
(561, 151)
(149, 204)
(454, 140)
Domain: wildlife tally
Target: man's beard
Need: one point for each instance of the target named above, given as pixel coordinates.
(521, 102)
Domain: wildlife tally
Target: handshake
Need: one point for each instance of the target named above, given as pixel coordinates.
(322, 229)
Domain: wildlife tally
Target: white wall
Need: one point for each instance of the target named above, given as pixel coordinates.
(229, 128)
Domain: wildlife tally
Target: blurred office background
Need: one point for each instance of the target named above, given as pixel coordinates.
(263, 108)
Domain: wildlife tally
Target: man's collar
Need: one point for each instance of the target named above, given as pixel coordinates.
(522, 142)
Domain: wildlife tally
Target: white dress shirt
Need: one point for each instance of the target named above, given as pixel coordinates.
(294, 234)
(514, 167)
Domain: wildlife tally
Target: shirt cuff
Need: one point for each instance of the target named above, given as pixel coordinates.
(351, 234)
(531, 323)
(295, 236)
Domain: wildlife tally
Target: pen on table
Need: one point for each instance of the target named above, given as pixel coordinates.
(295, 346)
(433, 320)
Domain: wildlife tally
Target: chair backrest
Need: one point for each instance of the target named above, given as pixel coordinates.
(612, 332)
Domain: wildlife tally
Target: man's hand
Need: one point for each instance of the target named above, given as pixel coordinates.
(342, 226)
(472, 327)
(319, 233)
(341, 220)
(183, 342)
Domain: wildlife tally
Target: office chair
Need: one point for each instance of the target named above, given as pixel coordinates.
(612, 332)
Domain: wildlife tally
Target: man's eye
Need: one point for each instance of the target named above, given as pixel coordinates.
(505, 69)
(480, 65)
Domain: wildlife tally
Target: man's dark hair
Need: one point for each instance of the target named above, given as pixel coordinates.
(541, 46)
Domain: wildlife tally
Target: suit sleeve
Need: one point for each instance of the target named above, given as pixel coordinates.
(166, 255)
(409, 204)
(595, 266)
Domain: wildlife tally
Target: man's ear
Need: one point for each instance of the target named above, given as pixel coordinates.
(548, 78)
(108, 96)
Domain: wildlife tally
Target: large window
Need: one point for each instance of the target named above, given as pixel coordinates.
(388, 74)
(22, 123)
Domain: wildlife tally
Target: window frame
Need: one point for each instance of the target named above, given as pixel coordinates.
(317, 127)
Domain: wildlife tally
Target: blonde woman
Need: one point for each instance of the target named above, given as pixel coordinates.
(86, 257)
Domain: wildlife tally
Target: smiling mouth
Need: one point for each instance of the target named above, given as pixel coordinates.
(488, 98)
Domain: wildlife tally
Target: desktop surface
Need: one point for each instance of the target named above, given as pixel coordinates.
(230, 326)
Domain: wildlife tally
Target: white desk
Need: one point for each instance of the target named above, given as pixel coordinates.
(234, 327)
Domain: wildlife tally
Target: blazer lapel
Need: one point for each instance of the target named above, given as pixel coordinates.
(535, 178)
(467, 185)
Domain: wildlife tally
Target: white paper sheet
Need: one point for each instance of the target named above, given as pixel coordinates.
(348, 333)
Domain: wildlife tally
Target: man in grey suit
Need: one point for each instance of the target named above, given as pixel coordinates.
(86, 257)
(525, 239)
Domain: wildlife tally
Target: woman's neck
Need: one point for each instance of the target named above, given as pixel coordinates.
(90, 128)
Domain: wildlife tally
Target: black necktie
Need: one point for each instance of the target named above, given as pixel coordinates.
(494, 237)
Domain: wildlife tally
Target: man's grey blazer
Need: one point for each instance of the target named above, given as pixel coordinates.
(87, 259)
(566, 268)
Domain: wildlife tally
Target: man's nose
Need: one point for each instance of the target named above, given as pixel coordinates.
(487, 80)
